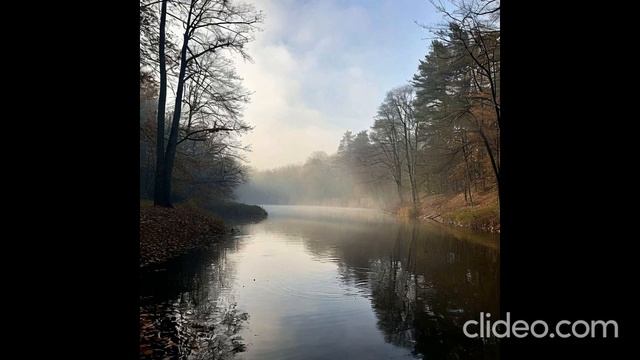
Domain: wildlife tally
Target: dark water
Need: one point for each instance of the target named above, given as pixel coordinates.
(326, 283)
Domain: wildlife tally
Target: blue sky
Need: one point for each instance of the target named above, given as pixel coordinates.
(321, 67)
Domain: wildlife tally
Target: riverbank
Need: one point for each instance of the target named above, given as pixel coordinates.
(166, 233)
(236, 212)
(454, 211)
(169, 232)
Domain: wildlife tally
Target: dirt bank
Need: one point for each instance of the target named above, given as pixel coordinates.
(165, 233)
(453, 210)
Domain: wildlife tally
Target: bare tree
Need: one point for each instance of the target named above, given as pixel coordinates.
(208, 28)
(213, 100)
(386, 137)
(159, 197)
(401, 101)
(395, 136)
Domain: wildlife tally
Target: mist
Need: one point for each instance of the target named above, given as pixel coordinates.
(323, 179)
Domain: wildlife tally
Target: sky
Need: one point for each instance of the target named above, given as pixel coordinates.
(322, 67)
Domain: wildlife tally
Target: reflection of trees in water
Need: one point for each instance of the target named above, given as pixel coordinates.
(426, 289)
(424, 284)
(393, 288)
(184, 313)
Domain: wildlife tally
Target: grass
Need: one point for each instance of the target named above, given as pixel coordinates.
(485, 218)
(408, 212)
(454, 210)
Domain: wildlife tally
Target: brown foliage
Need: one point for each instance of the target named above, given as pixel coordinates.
(168, 232)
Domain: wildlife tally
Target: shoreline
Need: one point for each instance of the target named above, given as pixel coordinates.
(169, 232)
(166, 233)
(454, 211)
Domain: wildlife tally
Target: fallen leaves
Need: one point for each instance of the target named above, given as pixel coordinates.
(169, 232)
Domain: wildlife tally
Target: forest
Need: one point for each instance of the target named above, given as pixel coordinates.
(433, 144)
(438, 135)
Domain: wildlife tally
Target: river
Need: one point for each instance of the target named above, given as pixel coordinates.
(326, 283)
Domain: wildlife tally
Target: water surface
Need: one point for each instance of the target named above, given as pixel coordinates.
(329, 283)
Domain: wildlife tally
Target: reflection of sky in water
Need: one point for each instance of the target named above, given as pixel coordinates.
(299, 307)
(335, 283)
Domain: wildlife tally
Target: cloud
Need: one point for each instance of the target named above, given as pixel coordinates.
(316, 72)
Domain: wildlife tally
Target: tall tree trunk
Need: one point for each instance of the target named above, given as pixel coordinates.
(410, 169)
(494, 165)
(172, 144)
(399, 188)
(397, 163)
(159, 198)
(467, 170)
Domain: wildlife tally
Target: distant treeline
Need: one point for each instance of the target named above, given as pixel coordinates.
(439, 134)
(322, 180)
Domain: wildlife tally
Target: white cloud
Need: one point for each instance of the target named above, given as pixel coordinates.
(312, 78)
